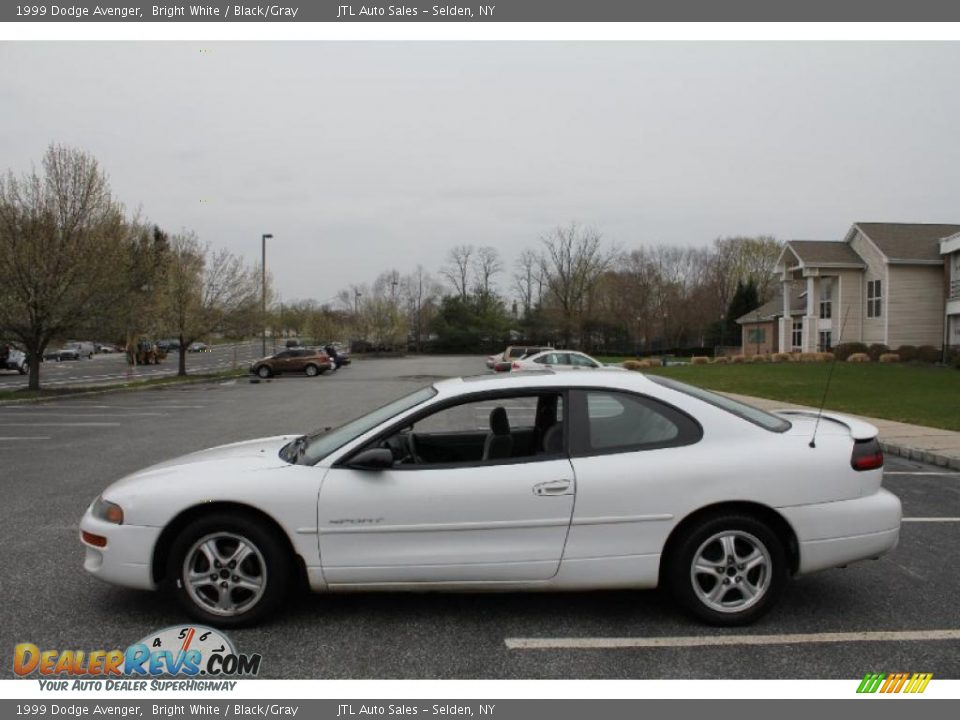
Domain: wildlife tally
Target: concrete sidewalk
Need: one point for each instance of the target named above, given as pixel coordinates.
(914, 442)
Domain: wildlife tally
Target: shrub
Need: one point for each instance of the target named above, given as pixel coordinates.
(761, 358)
(876, 350)
(810, 357)
(826, 356)
(889, 358)
(928, 354)
(858, 358)
(781, 357)
(907, 353)
(738, 359)
(653, 361)
(634, 364)
(722, 360)
(955, 359)
(699, 360)
(845, 350)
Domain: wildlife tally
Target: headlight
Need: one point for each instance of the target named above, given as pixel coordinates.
(104, 510)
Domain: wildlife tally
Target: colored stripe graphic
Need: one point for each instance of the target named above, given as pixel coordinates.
(894, 682)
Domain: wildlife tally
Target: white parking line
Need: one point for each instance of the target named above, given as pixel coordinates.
(81, 414)
(907, 472)
(931, 519)
(61, 424)
(34, 437)
(607, 643)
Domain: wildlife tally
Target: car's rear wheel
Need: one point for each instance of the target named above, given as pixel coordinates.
(311, 370)
(263, 371)
(228, 570)
(728, 570)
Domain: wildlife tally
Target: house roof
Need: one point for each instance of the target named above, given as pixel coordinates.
(825, 252)
(773, 308)
(910, 242)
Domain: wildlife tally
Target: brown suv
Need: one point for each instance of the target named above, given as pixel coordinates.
(305, 360)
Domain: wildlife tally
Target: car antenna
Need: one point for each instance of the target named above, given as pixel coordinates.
(823, 400)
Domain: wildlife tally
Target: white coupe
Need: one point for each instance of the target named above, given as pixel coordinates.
(528, 481)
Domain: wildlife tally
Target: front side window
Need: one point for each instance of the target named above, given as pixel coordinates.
(614, 421)
(494, 429)
(581, 361)
(874, 298)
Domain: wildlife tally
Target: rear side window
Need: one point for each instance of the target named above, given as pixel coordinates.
(741, 410)
(614, 421)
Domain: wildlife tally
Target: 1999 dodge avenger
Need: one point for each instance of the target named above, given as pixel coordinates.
(532, 481)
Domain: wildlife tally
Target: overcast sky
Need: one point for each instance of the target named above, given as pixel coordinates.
(364, 157)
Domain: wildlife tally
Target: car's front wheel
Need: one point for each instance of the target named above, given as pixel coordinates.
(264, 372)
(228, 570)
(728, 570)
(311, 370)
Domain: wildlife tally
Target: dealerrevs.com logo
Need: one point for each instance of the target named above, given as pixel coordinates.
(911, 683)
(191, 652)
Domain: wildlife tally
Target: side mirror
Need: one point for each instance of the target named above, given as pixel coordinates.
(372, 459)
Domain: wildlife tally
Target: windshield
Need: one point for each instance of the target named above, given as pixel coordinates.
(741, 410)
(316, 446)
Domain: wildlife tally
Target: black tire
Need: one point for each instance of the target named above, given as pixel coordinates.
(269, 564)
(743, 593)
(264, 372)
(311, 370)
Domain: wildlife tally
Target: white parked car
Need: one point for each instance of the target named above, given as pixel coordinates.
(536, 480)
(557, 360)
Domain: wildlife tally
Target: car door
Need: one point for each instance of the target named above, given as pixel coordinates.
(456, 518)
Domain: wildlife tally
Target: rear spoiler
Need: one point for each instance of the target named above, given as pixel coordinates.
(859, 430)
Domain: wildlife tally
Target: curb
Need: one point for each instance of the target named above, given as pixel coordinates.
(931, 458)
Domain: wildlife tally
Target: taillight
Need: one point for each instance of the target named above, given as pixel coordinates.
(516, 366)
(867, 455)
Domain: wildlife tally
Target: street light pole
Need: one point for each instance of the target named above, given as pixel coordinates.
(263, 289)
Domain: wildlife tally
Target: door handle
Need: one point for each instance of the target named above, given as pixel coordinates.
(552, 487)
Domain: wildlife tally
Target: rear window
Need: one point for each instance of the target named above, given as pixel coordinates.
(741, 410)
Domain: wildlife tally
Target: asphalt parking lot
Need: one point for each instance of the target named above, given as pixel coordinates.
(113, 368)
(55, 457)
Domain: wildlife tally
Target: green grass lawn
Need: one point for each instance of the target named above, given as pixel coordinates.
(918, 394)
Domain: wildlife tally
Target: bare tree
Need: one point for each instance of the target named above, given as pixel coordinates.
(457, 269)
(486, 265)
(573, 261)
(61, 235)
(528, 279)
(204, 288)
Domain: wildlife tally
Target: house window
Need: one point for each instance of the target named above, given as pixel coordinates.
(826, 298)
(796, 337)
(874, 299)
(757, 335)
(826, 341)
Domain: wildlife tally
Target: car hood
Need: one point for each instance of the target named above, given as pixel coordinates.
(248, 455)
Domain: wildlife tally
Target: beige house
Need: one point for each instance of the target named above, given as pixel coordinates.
(884, 283)
(950, 251)
(760, 328)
